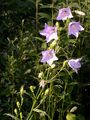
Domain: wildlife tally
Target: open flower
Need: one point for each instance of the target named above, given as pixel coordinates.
(64, 13)
(48, 56)
(49, 32)
(74, 28)
(75, 64)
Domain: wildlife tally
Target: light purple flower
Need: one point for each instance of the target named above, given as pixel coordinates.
(49, 32)
(64, 13)
(74, 28)
(48, 56)
(75, 64)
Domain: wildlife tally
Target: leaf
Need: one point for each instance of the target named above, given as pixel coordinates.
(27, 71)
(44, 15)
(38, 38)
(73, 83)
(70, 116)
(41, 112)
(44, 45)
(46, 6)
(12, 116)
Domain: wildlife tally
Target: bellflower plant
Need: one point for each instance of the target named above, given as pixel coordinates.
(75, 64)
(74, 28)
(52, 94)
(48, 56)
(64, 13)
(49, 32)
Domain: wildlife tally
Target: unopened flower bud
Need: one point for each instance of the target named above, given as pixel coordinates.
(57, 24)
(79, 12)
(46, 91)
(22, 90)
(15, 111)
(18, 104)
(21, 115)
(53, 43)
(52, 66)
(32, 88)
(40, 75)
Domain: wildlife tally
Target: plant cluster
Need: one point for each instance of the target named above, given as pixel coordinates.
(56, 82)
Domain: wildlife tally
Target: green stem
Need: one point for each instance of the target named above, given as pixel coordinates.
(63, 102)
(37, 9)
(34, 102)
(66, 2)
(52, 10)
(50, 99)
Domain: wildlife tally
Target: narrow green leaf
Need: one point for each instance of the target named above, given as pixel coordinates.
(12, 116)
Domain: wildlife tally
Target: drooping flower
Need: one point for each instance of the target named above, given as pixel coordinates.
(49, 32)
(74, 28)
(42, 83)
(48, 56)
(40, 75)
(64, 13)
(75, 64)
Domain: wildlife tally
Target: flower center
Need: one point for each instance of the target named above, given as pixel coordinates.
(64, 13)
(51, 31)
(50, 54)
(74, 26)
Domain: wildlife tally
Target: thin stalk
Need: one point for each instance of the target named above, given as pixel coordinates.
(11, 68)
(52, 10)
(34, 103)
(66, 2)
(63, 102)
(48, 72)
(50, 98)
(53, 108)
(37, 10)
